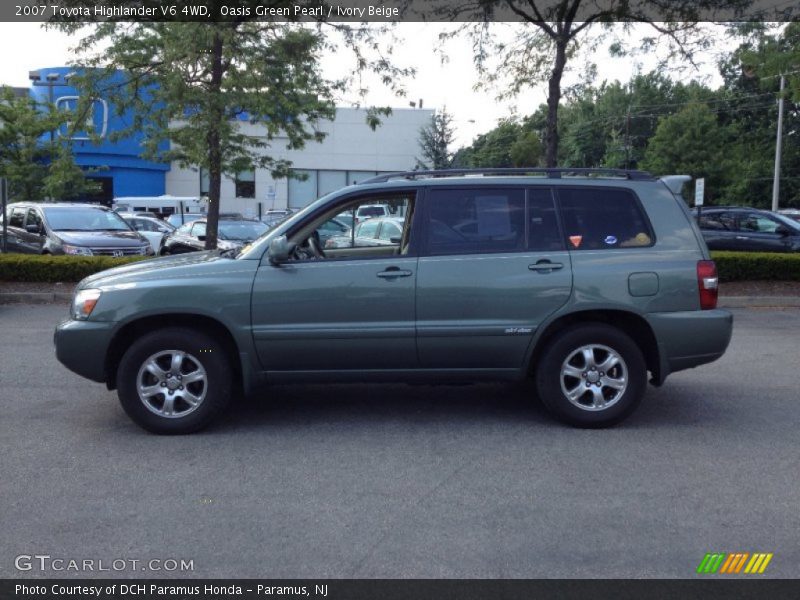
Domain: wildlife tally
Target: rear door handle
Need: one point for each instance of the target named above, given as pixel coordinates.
(742, 237)
(392, 272)
(545, 266)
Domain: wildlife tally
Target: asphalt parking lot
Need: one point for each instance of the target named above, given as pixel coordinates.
(405, 481)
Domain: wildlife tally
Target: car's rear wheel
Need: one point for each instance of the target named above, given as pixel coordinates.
(591, 375)
(174, 381)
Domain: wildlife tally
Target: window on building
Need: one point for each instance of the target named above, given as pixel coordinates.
(319, 182)
(330, 181)
(302, 191)
(204, 182)
(246, 184)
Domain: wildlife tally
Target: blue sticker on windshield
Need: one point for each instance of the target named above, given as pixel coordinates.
(610, 240)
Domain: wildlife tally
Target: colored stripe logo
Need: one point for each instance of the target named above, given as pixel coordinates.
(734, 563)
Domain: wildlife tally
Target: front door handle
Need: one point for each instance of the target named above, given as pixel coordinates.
(545, 266)
(392, 272)
(742, 237)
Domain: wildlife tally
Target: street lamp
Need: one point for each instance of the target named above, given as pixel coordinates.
(51, 81)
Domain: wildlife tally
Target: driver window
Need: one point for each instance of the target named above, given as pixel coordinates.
(199, 229)
(371, 226)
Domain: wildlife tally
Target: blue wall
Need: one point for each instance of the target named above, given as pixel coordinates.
(120, 160)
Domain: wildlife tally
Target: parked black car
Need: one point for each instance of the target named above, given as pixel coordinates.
(232, 234)
(747, 229)
(61, 228)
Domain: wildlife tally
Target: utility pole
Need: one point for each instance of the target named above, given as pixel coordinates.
(776, 180)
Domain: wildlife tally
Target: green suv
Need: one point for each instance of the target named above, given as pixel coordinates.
(583, 280)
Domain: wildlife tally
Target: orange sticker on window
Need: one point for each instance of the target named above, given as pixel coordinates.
(576, 240)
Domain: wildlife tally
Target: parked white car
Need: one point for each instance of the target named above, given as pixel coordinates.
(155, 230)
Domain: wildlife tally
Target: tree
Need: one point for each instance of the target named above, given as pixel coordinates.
(192, 84)
(690, 142)
(554, 34)
(34, 167)
(435, 140)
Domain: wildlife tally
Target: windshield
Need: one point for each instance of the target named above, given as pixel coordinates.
(241, 230)
(789, 222)
(84, 219)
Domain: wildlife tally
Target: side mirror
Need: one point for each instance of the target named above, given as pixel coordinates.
(395, 240)
(279, 250)
(201, 238)
(33, 229)
(783, 231)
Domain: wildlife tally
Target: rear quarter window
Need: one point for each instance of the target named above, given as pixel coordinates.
(603, 219)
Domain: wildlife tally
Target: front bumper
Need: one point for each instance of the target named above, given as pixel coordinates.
(692, 338)
(81, 346)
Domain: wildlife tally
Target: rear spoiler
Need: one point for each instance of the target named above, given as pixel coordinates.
(675, 183)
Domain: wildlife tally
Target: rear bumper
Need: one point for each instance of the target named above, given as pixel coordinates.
(692, 338)
(81, 347)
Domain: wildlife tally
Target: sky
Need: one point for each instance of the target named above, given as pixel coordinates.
(26, 47)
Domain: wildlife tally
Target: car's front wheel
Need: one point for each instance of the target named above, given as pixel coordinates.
(591, 375)
(174, 381)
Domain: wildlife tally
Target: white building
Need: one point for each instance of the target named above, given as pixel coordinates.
(351, 152)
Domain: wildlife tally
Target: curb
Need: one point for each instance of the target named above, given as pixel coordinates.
(35, 297)
(726, 302)
(760, 302)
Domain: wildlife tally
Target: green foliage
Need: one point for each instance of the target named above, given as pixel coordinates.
(196, 84)
(755, 266)
(435, 140)
(527, 150)
(510, 144)
(36, 169)
(691, 142)
(46, 268)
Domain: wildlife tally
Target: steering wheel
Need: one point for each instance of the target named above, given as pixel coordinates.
(311, 249)
(315, 245)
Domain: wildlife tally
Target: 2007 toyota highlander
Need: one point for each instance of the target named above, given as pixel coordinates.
(583, 280)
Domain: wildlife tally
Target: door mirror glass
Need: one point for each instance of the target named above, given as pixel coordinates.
(279, 250)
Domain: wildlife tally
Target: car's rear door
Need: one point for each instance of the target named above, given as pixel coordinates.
(494, 267)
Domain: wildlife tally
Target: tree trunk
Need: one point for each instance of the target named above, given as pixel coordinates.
(216, 115)
(553, 98)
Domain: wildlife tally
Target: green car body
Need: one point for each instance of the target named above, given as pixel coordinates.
(417, 314)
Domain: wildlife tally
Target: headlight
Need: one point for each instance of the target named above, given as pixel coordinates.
(84, 302)
(77, 250)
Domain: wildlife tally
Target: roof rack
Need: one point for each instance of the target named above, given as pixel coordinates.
(552, 173)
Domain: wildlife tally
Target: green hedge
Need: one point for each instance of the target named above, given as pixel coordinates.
(754, 266)
(34, 267)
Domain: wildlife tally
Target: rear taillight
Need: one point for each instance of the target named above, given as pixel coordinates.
(707, 283)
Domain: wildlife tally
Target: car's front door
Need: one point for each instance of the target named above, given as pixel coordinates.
(494, 267)
(761, 233)
(350, 311)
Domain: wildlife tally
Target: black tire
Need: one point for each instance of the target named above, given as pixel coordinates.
(587, 410)
(202, 353)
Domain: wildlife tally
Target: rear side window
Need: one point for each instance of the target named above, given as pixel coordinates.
(17, 217)
(464, 221)
(603, 218)
(543, 233)
(718, 221)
